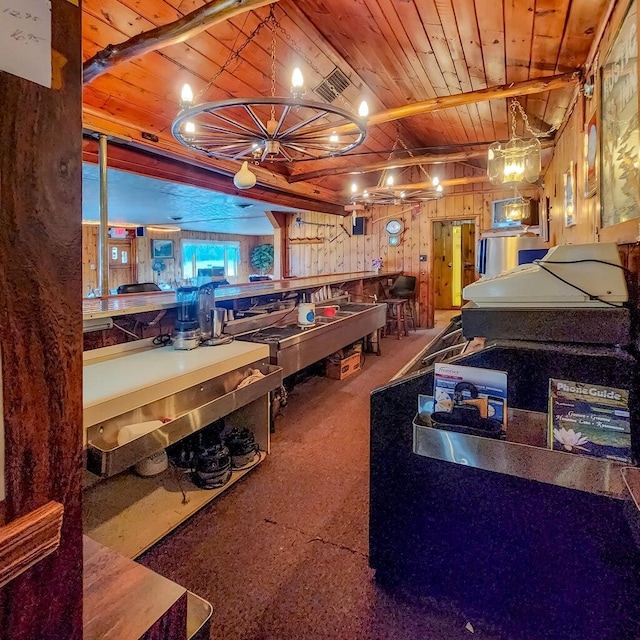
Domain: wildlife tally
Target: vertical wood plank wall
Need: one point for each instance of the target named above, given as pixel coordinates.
(570, 146)
(173, 271)
(328, 249)
(41, 337)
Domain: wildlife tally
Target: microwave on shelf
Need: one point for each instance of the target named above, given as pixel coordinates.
(500, 220)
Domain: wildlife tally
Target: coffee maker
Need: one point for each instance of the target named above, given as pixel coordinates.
(210, 318)
(187, 329)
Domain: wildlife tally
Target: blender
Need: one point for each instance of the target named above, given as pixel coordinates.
(187, 330)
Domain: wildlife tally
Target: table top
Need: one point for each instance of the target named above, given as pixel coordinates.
(157, 301)
(122, 600)
(132, 379)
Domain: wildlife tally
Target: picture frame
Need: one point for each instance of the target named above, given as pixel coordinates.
(591, 155)
(161, 249)
(569, 200)
(545, 207)
(619, 144)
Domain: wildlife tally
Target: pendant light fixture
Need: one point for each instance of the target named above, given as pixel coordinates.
(518, 160)
(267, 128)
(388, 191)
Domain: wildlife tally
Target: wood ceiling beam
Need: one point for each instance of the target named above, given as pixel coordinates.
(398, 163)
(452, 182)
(166, 35)
(512, 90)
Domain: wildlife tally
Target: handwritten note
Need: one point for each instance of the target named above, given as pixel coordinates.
(25, 39)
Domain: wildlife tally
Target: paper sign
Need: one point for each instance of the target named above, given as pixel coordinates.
(25, 39)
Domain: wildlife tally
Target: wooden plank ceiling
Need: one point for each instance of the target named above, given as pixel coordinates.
(395, 52)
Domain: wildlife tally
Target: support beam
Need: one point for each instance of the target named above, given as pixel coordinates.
(452, 182)
(272, 187)
(103, 230)
(515, 89)
(398, 163)
(394, 163)
(280, 222)
(173, 33)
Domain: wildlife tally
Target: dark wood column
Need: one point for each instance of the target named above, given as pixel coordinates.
(41, 332)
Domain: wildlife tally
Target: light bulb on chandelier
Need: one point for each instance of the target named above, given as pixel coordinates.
(297, 83)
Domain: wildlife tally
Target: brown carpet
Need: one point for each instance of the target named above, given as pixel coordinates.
(283, 554)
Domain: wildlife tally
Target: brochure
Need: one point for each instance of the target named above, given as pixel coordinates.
(484, 388)
(589, 419)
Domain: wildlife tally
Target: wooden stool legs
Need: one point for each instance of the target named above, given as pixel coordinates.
(396, 315)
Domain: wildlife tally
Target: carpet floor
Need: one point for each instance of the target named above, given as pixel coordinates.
(283, 553)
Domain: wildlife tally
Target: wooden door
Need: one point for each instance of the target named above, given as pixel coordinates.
(122, 263)
(468, 253)
(41, 338)
(442, 264)
(454, 247)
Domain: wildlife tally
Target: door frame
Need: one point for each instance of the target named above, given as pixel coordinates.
(472, 218)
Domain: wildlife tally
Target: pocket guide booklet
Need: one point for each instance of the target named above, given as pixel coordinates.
(589, 419)
(491, 389)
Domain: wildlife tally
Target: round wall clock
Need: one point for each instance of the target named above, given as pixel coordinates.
(394, 226)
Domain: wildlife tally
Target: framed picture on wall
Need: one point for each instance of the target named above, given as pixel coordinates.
(619, 132)
(591, 156)
(544, 218)
(161, 249)
(569, 201)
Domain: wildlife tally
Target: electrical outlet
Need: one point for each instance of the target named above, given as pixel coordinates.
(92, 267)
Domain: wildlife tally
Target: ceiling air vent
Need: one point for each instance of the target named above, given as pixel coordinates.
(333, 85)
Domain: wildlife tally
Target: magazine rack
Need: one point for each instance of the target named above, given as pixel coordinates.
(523, 454)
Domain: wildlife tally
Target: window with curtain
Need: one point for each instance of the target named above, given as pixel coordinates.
(209, 254)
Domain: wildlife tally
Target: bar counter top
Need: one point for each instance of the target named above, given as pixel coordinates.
(140, 303)
(115, 385)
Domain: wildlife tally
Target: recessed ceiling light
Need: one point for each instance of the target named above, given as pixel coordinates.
(176, 218)
(243, 205)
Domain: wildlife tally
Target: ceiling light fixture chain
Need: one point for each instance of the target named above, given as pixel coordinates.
(309, 62)
(267, 128)
(515, 105)
(235, 55)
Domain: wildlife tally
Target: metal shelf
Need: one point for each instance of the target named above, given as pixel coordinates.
(191, 410)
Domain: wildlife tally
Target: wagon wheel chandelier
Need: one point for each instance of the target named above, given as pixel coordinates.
(386, 192)
(266, 129)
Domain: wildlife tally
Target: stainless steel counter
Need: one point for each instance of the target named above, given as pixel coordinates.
(293, 348)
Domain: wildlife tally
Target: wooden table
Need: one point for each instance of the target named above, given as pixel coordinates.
(125, 601)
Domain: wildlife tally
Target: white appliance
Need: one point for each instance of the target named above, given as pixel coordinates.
(574, 275)
(497, 254)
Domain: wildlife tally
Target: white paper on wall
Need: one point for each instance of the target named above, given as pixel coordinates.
(25, 39)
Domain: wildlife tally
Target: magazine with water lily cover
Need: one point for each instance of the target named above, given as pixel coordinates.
(589, 419)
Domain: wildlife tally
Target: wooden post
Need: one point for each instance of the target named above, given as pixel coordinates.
(280, 222)
(41, 337)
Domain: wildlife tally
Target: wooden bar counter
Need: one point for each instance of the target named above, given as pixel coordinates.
(129, 304)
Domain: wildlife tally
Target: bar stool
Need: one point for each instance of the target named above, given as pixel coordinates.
(397, 315)
(405, 287)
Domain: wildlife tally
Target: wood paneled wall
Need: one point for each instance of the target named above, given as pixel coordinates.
(318, 250)
(570, 147)
(173, 271)
(41, 320)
